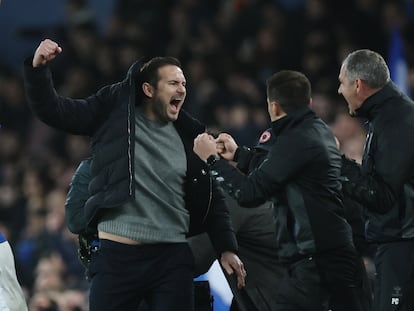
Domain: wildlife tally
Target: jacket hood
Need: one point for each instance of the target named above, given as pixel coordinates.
(135, 69)
(132, 78)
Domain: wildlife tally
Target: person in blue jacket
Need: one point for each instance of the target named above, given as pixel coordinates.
(11, 294)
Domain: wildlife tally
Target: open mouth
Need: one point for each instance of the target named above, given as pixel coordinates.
(175, 103)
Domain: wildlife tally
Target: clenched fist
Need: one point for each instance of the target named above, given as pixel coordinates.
(46, 51)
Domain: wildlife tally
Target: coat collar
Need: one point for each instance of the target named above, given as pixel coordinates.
(372, 106)
(291, 120)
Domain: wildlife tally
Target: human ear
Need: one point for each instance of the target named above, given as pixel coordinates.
(148, 89)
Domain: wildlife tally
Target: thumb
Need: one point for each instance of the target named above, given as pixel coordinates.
(229, 270)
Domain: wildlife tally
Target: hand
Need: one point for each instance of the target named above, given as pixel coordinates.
(232, 263)
(204, 146)
(226, 146)
(350, 168)
(46, 51)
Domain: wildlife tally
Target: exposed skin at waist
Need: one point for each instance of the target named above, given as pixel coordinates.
(117, 238)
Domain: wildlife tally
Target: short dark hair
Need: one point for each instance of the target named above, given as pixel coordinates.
(291, 89)
(149, 71)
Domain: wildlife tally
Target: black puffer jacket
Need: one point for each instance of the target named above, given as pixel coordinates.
(108, 118)
(384, 184)
(301, 175)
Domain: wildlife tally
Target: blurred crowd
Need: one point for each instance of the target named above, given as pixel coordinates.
(227, 47)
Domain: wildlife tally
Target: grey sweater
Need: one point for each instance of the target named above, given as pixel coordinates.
(158, 214)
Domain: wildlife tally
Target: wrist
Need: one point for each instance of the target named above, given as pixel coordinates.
(236, 154)
(212, 159)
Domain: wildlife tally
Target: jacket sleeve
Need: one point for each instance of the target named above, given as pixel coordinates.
(75, 116)
(243, 157)
(381, 179)
(218, 223)
(248, 159)
(203, 251)
(288, 156)
(77, 195)
(359, 187)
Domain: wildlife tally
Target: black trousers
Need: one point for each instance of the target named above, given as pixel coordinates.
(124, 275)
(393, 265)
(407, 301)
(301, 288)
(341, 272)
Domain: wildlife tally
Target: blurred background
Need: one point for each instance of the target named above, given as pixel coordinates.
(228, 49)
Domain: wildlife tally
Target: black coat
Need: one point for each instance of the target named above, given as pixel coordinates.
(384, 184)
(108, 118)
(301, 174)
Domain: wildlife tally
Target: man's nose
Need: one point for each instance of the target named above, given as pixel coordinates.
(181, 89)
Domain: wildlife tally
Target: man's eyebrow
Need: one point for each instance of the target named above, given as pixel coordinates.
(177, 81)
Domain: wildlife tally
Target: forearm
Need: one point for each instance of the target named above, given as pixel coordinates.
(40, 92)
(203, 252)
(75, 116)
(244, 190)
(243, 156)
(218, 224)
(369, 189)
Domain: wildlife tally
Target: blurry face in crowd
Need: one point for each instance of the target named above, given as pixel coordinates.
(168, 97)
(349, 90)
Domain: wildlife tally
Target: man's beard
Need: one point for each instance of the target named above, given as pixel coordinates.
(160, 112)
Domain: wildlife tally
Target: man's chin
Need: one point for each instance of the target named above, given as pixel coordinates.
(352, 113)
(173, 117)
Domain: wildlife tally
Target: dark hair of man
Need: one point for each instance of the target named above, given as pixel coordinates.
(149, 71)
(291, 89)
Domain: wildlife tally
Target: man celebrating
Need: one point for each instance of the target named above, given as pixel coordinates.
(301, 175)
(148, 191)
